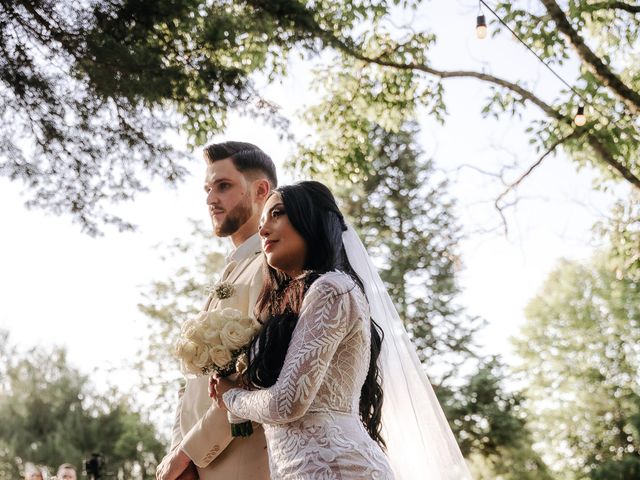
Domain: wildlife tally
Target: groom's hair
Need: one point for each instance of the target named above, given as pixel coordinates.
(246, 157)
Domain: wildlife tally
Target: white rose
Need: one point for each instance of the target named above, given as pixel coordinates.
(188, 350)
(219, 355)
(249, 333)
(202, 337)
(193, 330)
(188, 367)
(212, 337)
(201, 357)
(233, 336)
(248, 322)
(231, 314)
(215, 320)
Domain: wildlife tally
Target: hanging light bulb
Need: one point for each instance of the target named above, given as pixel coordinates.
(580, 118)
(481, 27)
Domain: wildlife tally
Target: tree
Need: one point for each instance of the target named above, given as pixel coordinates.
(622, 232)
(405, 218)
(89, 90)
(50, 415)
(391, 71)
(491, 426)
(580, 364)
(94, 86)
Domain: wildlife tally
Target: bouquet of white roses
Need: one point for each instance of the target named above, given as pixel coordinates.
(217, 341)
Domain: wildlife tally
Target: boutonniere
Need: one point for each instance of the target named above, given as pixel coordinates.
(221, 290)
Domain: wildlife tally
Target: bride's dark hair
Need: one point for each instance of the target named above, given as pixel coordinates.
(313, 212)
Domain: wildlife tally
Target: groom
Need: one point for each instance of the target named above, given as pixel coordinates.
(238, 179)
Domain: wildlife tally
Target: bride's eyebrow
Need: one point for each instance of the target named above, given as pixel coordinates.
(265, 214)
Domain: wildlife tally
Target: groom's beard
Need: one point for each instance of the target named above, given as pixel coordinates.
(236, 217)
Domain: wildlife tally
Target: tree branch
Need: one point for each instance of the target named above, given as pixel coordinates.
(600, 150)
(628, 96)
(606, 156)
(499, 175)
(520, 179)
(524, 93)
(592, 7)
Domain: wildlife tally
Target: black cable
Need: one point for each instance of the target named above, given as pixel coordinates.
(532, 51)
(586, 102)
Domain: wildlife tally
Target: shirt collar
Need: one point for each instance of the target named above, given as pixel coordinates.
(250, 246)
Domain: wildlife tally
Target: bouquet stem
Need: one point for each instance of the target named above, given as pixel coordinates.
(243, 429)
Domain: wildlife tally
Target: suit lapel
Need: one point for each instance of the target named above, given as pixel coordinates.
(241, 267)
(232, 274)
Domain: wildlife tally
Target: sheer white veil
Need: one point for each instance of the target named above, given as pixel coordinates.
(420, 443)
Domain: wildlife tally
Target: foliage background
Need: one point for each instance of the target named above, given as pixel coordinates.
(90, 103)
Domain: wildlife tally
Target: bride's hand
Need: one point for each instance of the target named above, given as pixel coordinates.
(219, 385)
(212, 386)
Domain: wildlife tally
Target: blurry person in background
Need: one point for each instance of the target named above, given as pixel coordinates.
(66, 471)
(32, 472)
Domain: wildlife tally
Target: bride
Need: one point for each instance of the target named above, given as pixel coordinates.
(330, 336)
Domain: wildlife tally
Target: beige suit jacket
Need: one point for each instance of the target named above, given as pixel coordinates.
(201, 429)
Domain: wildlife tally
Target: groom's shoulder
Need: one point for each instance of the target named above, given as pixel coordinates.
(256, 260)
(252, 264)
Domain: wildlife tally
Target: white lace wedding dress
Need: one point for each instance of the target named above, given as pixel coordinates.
(310, 414)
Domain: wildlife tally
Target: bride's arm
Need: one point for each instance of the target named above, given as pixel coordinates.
(324, 321)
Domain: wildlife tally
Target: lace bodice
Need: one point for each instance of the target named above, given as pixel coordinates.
(311, 413)
(326, 362)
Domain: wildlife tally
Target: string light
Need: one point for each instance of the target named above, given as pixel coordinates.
(481, 31)
(580, 118)
(481, 27)
(481, 23)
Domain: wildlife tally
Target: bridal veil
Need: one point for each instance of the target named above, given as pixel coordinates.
(420, 443)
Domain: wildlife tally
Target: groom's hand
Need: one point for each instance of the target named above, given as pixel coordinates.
(173, 465)
(190, 473)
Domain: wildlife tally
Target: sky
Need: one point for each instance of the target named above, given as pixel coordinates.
(61, 287)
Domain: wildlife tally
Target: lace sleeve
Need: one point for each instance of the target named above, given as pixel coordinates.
(323, 322)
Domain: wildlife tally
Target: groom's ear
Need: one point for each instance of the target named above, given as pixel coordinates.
(261, 188)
